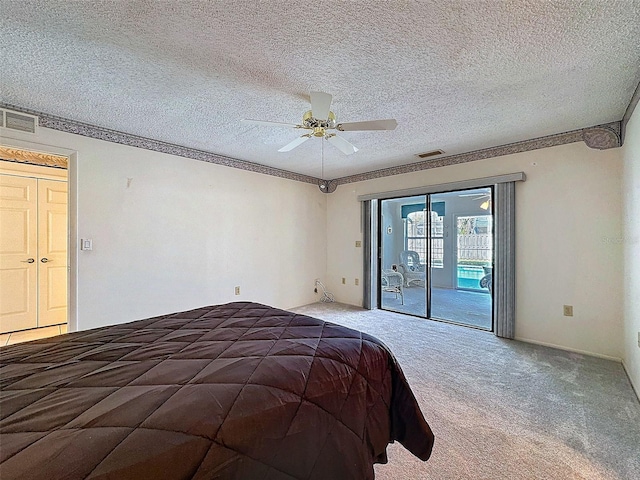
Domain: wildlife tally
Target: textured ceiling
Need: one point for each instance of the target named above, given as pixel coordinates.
(457, 75)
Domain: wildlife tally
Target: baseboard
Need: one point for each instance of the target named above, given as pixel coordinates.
(633, 386)
(567, 349)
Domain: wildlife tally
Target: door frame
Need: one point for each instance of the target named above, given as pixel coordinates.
(72, 216)
(428, 200)
(504, 275)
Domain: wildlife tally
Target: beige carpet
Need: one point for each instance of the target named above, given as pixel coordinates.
(504, 409)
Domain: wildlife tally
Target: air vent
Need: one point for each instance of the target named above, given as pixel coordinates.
(433, 153)
(18, 121)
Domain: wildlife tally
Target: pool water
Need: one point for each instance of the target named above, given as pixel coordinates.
(469, 277)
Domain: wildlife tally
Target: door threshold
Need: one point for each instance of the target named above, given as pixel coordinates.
(452, 322)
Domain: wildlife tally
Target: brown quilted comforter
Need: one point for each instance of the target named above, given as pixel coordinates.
(236, 391)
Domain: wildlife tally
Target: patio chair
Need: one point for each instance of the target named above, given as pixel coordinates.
(412, 270)
(487, 280)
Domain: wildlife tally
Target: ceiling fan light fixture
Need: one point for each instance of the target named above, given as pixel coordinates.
(320, 119)
(309, 121)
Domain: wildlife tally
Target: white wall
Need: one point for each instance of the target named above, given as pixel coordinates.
(569, 215)
(630, 240)
(171, 233)
(392, 243)
(184, 233)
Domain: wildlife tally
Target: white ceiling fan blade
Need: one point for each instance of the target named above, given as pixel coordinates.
(320, 105)
(386, 124)
(298, 141)
(269, 124)
(342, 145)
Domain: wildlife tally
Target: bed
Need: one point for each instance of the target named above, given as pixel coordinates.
(234, 391)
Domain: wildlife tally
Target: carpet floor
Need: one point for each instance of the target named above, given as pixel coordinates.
(503, 409)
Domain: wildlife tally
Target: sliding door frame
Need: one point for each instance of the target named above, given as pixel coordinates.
(429, 247)
(503, 193)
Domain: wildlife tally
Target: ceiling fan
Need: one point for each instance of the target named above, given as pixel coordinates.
(477, 195)
(320, 119)
(485, 197)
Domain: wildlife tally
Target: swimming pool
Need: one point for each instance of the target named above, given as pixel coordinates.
(469, 277)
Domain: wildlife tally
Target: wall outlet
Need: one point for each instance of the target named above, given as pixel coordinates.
(358, 243)
(344, 281)
(567, 310)
(237, 290)
(357, 282)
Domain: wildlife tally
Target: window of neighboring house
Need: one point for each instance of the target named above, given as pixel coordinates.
(415, 237)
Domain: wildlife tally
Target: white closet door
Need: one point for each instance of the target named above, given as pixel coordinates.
(52, 251)
(18, 253)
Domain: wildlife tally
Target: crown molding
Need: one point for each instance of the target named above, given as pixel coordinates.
(100, 133)
(602, 137)
(599, 137)
(629, 111)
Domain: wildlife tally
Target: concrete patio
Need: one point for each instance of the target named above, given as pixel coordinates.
(458, 306)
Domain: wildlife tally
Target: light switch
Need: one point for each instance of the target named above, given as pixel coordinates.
(86, 244)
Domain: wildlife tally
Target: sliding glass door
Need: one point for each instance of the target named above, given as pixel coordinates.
(461, 284)
(404, 255)
(436, 256)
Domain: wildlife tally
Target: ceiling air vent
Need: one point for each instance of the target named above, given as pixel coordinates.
(432, 153)
(18, 121)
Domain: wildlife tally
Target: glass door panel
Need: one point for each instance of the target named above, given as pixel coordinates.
(403, 255)
(461, 289)
(436, 256)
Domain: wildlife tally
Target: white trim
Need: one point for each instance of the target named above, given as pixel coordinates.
(19, 169)
(35, 146)
(568, 349)
(72, 247)
(445, 187)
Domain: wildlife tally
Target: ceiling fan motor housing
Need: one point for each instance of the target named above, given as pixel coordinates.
(309, 121)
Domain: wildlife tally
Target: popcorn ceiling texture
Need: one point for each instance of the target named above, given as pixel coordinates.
(460, 76)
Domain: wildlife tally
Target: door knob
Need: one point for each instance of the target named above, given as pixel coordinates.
(28, 260)
(45, 260)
